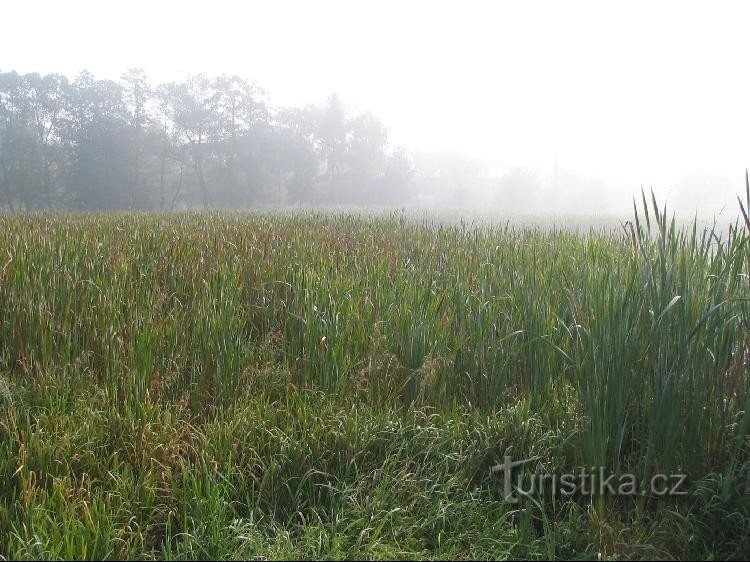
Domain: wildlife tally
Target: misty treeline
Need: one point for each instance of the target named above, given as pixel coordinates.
(204, 142)
(218, 142)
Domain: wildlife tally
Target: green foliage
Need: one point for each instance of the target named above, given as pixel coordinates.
(327, 386)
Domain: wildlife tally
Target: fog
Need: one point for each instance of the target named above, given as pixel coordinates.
(527, 107)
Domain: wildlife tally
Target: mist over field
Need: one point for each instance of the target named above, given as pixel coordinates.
(374, 280)
(532, 108)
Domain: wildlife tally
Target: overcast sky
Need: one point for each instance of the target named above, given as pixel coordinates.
(635, 93)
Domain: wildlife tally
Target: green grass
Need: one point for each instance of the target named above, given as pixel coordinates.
(338, 385)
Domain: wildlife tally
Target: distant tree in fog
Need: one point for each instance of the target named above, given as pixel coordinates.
(450, 178)
(397, 184)
(519, 189)
(32, 109)
(331, 136)
(193, 110)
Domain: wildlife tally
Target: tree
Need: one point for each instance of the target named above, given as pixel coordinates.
(99, 145)
(241, 113)
(193, 111)
(397, 185)
(137, 94)
(11, 127)
(331, 132)
(364, 159)
(298, 126)
(40, 101)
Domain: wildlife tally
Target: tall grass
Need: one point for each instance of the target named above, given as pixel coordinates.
(338, 385)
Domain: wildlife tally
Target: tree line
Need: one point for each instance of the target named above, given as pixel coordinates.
(203, 142)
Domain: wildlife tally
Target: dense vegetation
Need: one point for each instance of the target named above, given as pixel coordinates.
(331, 385)
(204, 142)
(219, 142)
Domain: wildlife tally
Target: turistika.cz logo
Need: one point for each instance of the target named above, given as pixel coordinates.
(585, 482)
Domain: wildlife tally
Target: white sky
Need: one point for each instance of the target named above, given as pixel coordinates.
(635, 93)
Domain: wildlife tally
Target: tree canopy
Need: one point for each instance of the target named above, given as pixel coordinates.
(204, 142)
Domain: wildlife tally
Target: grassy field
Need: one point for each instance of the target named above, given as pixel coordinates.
(333, 385)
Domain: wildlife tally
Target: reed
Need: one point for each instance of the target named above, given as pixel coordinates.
(337, 385)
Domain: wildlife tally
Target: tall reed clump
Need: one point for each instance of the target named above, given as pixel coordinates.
(660, 349)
